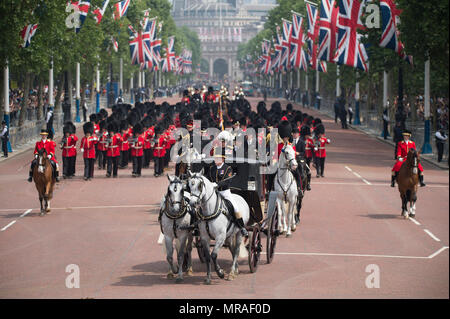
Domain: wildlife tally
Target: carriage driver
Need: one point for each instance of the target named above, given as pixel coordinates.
(221, 173)
(50, 147)
(402, 152)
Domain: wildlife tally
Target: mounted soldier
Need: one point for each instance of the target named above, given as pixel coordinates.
(50, 146)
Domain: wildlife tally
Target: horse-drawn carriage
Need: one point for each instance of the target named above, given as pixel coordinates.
(249, 183)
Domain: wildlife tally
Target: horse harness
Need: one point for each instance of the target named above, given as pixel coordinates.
(181, 214)
(278, 177)
(219, 209)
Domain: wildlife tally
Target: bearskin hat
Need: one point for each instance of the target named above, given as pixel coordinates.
(289, 107)
(320, 129)
(305, 130)
(317, 121)
(138, 129)
(88, 128)
(102, 124)
(113, 127)
(123, 125)
(104, 113)
(67, 128)
(285, 129)
(93, 118)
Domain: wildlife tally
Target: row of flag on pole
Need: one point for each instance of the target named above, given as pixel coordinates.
(332, 35)
(145, 46)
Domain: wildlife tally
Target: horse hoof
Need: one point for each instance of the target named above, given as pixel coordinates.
(189, 273)
(207, 281)
(288, 235)
(179, 280)
(231, 276)
(170, 275)
(412, 215)
(221, 274)
(41, 214)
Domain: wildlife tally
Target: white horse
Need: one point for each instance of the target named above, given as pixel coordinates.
(216, 224)
(174, 214)
(286, 189)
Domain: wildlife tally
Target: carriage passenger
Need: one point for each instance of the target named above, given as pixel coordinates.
(49, 146)
(402, 151)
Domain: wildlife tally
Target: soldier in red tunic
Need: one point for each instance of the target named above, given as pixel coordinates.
(69, 147)
(402, 151)
(159, 151)
(101, 146)
(319, 149)
(124, 144)
(113, 151)
(87, 146)
(50, 147)
(137, 149)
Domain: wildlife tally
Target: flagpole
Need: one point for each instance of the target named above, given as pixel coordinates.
(357, 119)
(317, 85)
(97, 102)
(306, 88)
(338, 82)
(298, 86)
(426, 148)
(6, 100)
(121, 78)
(77, 95)
(131, 89)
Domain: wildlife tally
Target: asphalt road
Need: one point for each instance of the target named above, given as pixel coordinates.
(108, 228)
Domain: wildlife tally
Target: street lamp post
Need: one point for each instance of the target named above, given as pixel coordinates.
(77, 95)
(426, 148)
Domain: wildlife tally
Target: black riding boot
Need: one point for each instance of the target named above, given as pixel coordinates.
(308, 185)
(30, 176)
(422, 184)
(241, 225)
(393, 178)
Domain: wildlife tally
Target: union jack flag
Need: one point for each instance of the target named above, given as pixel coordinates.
(313, 38)
(169, 60)
(186, 57)
(98, 13)
(115, 44)
(390, 39)
(350, 50)
(328, 30)
(266, 58)
(83, 9)
(277, 49)
(27, 33)
(121, 9)
(140, 49)
(286, 45)
(297, 55)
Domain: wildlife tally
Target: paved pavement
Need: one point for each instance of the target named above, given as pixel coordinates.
(350, 226)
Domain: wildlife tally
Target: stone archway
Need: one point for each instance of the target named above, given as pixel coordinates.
(220, 68)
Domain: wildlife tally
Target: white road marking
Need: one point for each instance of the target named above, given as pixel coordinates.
(363, 255)
(431, 235)
(414, 221)
(24, 214)
(82, 207)
(348, 168)
(359, 176)
(370, 184)
(438, 252)
(10, 224)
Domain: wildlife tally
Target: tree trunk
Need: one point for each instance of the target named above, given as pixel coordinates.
(92, 88)
(82, 98)
(40, 98)
(59, 93)
(69, 81)
(24, 104)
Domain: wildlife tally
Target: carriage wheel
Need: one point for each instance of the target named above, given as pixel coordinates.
(199, 246)
(254, 248)
(272, 234)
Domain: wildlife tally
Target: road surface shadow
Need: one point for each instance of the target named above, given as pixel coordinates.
(382, 216)
(155, 273)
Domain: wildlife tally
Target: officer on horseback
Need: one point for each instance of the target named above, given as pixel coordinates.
(50, 147)
(221, 173)
(402, 152)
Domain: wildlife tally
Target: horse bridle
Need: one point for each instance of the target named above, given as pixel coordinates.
(202, 187)
(169, 201)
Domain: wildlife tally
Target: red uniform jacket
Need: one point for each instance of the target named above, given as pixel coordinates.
(137, 148)
(309, 147)
(403, 148)
(88, 145)
(159, 149)
(96, 129)
(321, 151)
(148, 136)
(113, 146)
(280, 148)
(124, 144)
(185, 100)
(102, 143)
(49, 146)
(70, 146)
